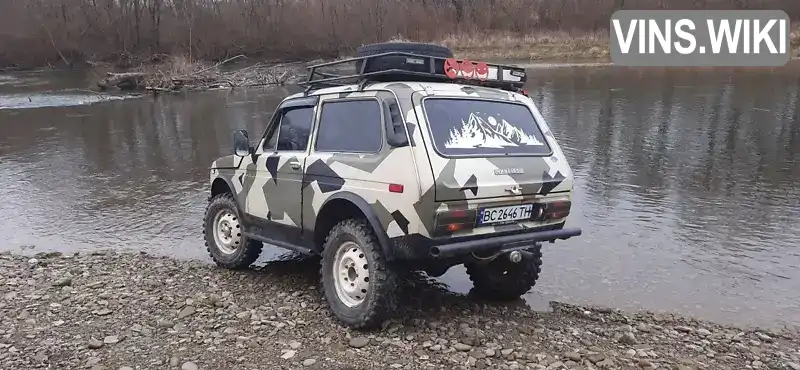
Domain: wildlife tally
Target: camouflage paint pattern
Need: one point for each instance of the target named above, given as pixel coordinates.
(271, 188)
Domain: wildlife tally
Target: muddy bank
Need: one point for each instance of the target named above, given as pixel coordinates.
(136, 311)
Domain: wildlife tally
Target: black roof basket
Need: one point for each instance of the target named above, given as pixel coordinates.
(400, 66)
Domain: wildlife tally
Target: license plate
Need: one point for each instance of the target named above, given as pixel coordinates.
(496, 215)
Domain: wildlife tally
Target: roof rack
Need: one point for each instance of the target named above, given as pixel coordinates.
(401, 66)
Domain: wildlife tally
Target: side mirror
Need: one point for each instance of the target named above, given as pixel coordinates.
(241, 143)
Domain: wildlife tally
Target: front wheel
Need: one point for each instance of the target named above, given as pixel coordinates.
(225, 239)
(358, 283)
(504, 280)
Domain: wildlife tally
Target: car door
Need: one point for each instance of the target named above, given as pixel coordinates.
(275, 179)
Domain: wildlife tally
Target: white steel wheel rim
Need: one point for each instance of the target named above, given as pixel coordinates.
(227, 232)
(351, 274)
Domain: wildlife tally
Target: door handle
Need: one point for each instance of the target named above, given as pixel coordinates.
(296, 166)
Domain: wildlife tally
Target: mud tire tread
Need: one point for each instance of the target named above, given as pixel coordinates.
(371, 313)
(488, 284)
(247, 255)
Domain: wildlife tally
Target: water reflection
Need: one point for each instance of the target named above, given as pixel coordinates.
(686, 188)
(685, 182)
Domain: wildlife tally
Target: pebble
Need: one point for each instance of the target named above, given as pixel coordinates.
(40, 357)
(186, 312)
(309, 362)
(607, 363)
(359, 342)
(462, 347)
(92, 361)
(243, 315)
(628, 338)
(44, 326)
(595, 357)
(66, 281)
(764, 337)
(704, 332)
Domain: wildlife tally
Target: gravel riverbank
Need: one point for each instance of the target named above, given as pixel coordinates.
(118, 311)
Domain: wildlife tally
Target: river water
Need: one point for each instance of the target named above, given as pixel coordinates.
(685, 180)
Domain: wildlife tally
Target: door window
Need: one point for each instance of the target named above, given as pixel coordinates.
(350, 126)
(293, 131)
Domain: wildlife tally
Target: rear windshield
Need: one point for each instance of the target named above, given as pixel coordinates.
(472, 127)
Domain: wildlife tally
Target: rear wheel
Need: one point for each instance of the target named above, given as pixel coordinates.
(358, 284)
(225, 240)
(504, 280)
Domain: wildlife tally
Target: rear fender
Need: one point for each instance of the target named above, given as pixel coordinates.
(371, 216)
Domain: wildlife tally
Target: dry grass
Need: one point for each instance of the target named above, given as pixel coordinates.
(542, 46)
(36, 33)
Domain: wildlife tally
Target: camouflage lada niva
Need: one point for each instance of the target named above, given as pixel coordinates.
(413, 161)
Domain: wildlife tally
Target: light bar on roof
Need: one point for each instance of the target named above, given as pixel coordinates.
(481, 71)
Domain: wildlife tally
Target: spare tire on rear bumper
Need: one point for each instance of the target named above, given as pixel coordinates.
(399, 61)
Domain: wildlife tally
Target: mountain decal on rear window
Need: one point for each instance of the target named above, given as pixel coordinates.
(476, 127)
(478, 132)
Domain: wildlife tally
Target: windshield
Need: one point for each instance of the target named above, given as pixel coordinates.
(474, 127)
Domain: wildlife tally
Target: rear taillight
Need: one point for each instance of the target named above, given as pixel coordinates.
(456, 220)
(556, 210)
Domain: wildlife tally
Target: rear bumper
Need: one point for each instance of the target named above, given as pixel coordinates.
(418, 247)
(499, 243)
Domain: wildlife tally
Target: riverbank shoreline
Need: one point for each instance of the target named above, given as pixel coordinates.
(546, 47)
(542, 47)
(109, 310)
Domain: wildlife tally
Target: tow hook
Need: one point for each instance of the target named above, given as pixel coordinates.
(515, 256)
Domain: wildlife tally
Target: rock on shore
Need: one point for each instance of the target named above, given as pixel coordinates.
(134, 311)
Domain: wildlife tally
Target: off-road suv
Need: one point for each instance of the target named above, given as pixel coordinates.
(399, 158)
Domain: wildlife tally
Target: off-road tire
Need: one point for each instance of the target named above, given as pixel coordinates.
(379, 300)
(490, 283)
(245, 254)
(399, 62)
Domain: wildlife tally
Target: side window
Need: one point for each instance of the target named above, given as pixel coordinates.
(293, 131)
(352, 126)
